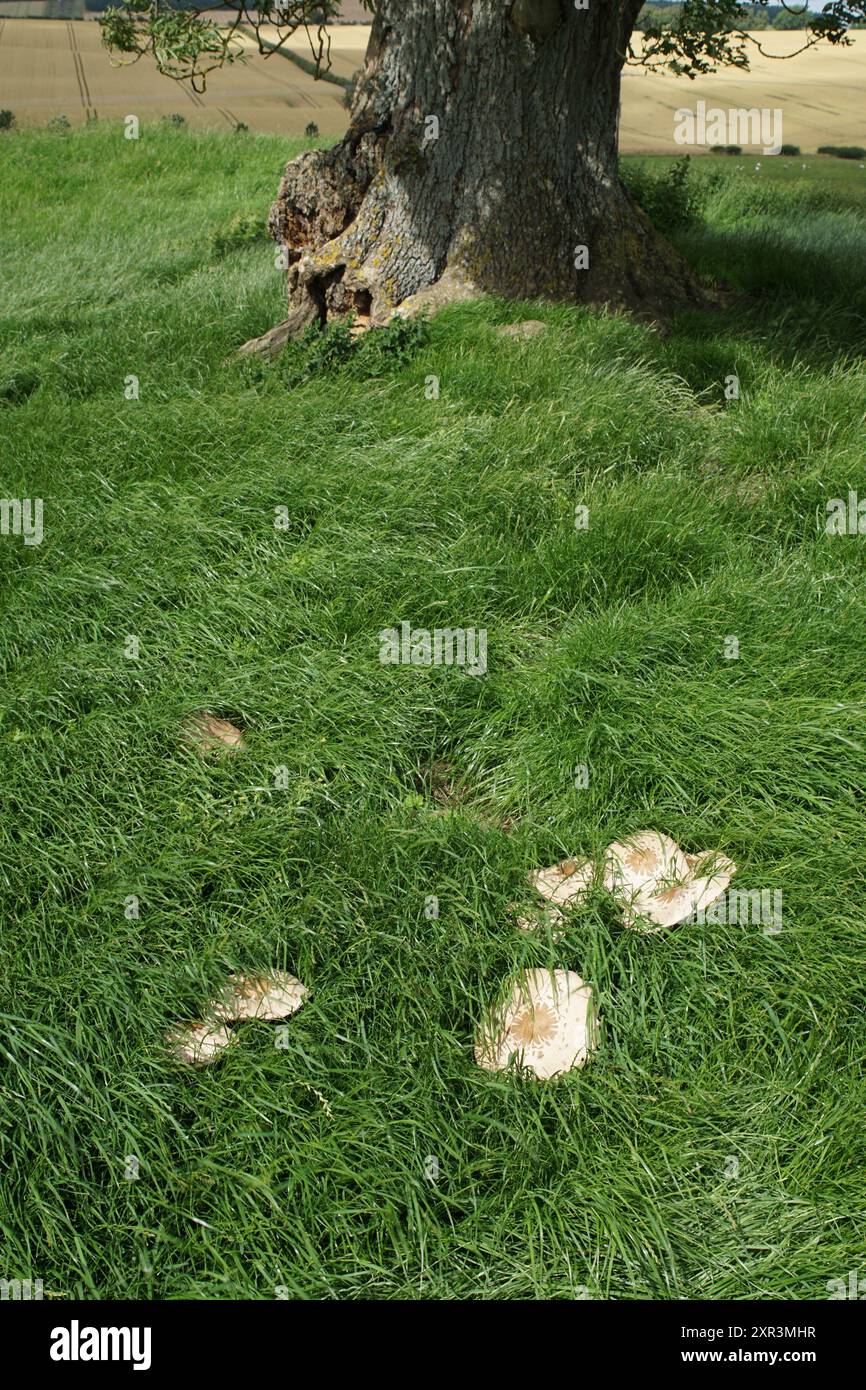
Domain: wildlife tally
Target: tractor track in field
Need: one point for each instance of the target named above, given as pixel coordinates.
(84, 90)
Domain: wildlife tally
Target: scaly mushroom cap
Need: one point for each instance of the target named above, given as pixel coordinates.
(548, 1024)
(654, 882)
(260, 996)
(199, 1044)
(647, 874)
(207, 734)
(267, 997)
(564, 883)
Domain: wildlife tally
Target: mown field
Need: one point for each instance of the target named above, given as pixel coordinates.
(306, 1170)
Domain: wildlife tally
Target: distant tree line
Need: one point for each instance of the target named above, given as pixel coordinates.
(662, 12)
(665, 13)
(99, 6)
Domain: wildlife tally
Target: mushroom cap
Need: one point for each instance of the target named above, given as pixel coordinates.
(207, 734)
(566, 882)
(548, 1022)
(711, 874)
(267, 997)
(656, 883)
(648, 875)
(199, 1044)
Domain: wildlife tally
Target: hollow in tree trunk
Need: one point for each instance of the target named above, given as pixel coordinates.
(481, 157)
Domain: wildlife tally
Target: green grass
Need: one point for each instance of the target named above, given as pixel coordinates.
(304, 1169)
(825, 177)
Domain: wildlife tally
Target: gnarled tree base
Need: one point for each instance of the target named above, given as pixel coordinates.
(480, 159)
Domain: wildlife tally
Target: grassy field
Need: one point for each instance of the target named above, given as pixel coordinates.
(53, 67)
(823, 182)
(714, 1146)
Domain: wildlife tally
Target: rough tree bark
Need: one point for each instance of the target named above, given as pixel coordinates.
(523, 172)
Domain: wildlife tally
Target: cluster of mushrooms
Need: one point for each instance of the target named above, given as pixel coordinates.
(548, 1024)
(265, 997)
(268, 998)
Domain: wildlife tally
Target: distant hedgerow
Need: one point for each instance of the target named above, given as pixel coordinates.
(843, 151)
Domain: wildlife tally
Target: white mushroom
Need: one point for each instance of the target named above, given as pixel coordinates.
(564, 883)
(260, 996)
(207, 734)
(199, 1044)
(266, 997)
(654, 882)
(711, 874)
(646, 874)
(548, 1024)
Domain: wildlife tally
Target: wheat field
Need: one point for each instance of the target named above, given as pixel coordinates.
(53, 67)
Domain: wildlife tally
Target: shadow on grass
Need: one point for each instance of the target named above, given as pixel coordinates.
(801, 295)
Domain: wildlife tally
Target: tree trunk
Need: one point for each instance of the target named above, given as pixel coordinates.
(498, 193)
